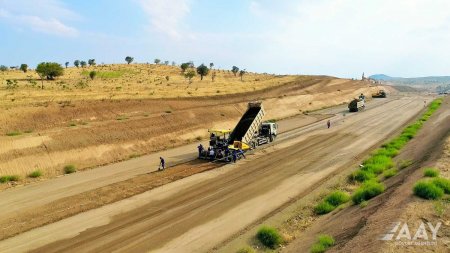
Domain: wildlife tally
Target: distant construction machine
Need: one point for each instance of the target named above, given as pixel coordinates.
(357, 104)
(379, 94)
(249, 133)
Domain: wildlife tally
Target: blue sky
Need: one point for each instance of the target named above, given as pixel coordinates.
(331, 37)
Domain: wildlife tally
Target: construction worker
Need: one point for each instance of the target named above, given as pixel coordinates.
(234, 156)
(227, 153)
(162, 164)
(328, 123)
(211, 154)
(241, 153)
(200, 150)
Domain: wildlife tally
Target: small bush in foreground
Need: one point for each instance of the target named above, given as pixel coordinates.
(431, 172)
(404, 164)
(246, 249)
(68, 169)
(269, 237)
(442, 183)
(324, 208)
(362, 176)
(323, 243)
(5, 179)
(427, 190)
(367, 191)
(337, 198)
(35, 174)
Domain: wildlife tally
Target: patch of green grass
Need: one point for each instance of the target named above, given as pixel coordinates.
(431, 172)
(367, 190)
(35, 174)
(323, 208)
(363, 204)
(362, 176)
(122, 118)
(427, 190)
(13, 133)
(442, 183)
(324, 242)
(337, 198)
(72, 124)
(439, 208)
(390, 173)
(9, 178)
(134, 156)
(246, 249)
(269, 237)
(69, 169)
(106, 74)
(29, 131)
(378, 163)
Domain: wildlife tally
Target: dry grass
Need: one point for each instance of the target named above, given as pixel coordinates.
(121, 81)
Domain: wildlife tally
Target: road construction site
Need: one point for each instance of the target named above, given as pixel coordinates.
(194, 206)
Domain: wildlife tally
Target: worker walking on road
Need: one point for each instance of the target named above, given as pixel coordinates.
(328, 123)
(200, 150)
(162, 164)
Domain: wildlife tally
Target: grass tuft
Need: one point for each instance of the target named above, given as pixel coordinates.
(324, 242)
(366, 191)
(427, 190)
(246, 249)
(431, 172)
(69, 169)
(269, 237)
(9, 178)
(13, 133)
(390, 173)
(442, 183)
(35, 174)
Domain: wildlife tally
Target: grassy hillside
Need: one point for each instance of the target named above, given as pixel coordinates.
(121, 81)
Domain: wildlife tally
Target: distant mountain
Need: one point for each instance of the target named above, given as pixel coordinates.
(382, 77)
(434, 83)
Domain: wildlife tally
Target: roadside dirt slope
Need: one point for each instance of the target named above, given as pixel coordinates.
(96, 132)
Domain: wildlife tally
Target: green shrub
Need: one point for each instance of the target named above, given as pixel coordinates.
(8, 178)
(324, 208)
(367, 191)
(427, 190)
(13, 133)
(378, 163)
(362, 175)
(68, 169)
(337, 198)
(246, 249)
(442, 183)
(431, 172)
(323, 243)
(269, 237)
(390, 173)
(35, 174)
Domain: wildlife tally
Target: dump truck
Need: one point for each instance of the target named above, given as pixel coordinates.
(250, 132)
(379, 94)
(356, 105)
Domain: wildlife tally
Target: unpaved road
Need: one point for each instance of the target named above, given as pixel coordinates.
(196, 213)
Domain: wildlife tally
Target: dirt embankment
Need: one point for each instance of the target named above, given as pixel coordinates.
(358, 229)
(91, 133)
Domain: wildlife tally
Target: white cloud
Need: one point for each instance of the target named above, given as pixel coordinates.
(345, 37)
(44, 16)
(166, 17)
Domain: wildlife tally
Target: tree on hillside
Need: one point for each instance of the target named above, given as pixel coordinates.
(242, 73)
(67, 64)
(76, 63)
(211, 65)
(213, 76)
(189, 74)
(184, 66)
(91, 62)
(234, 69)
(92, 74)
(3, 68)
(83, 64)
(166, 63)
(157, 61)
(202, 70)
(49, 70)
(24, 67)
(174, 63)
(129, 59)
